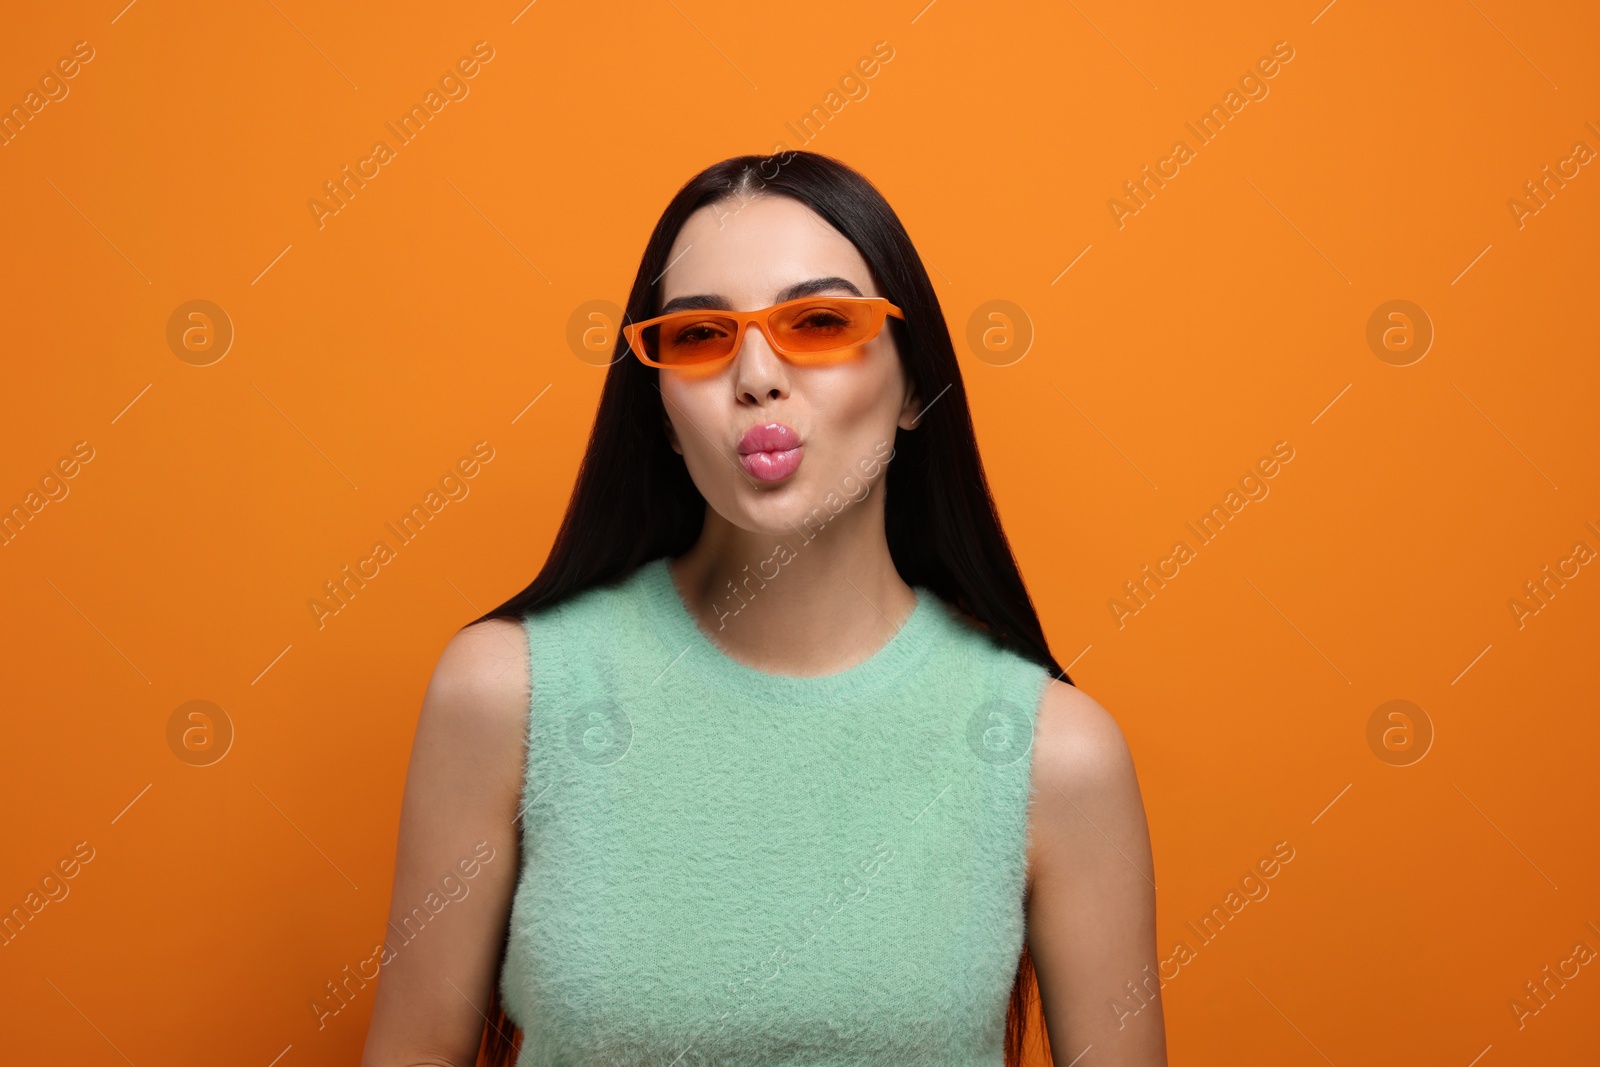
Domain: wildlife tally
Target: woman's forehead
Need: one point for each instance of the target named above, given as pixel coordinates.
(754, 249)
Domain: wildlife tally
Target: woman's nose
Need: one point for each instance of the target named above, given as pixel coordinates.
(759, 371)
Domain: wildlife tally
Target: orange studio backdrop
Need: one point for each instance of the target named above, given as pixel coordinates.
(1277, 322)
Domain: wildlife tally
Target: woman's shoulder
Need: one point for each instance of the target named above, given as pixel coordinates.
(1081, 761)
(479, 655)
(486, 667)
(478, 696)
(1077, 737)
(1085, 783)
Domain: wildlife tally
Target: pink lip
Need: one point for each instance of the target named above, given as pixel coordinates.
(769, 437)
(770, 452)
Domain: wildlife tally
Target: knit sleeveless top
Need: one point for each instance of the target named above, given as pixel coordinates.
(722, 865)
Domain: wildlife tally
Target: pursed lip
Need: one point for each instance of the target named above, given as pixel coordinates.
(768, 437)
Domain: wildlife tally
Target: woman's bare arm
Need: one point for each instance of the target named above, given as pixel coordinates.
(457, 860)
(1092, 914)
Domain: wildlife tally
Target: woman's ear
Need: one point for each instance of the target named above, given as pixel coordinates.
(911, 410)
(672, 434)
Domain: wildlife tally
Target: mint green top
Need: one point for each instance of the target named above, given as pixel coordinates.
(726, 866)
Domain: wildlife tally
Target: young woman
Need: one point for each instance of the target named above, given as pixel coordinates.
(771, 763)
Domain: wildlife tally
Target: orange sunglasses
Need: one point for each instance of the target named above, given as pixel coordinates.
(811, 330)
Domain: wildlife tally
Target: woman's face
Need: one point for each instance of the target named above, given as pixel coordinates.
(843, 414)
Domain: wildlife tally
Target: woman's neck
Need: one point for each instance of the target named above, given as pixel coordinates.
(806, 600)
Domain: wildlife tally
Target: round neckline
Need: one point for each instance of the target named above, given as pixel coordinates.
(679, 629)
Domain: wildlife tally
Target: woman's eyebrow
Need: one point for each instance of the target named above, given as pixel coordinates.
(712, 302)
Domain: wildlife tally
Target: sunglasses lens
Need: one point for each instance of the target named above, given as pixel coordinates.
(822, 325)
(690, 338)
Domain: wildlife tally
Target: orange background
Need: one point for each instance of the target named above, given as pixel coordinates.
(1228, 314)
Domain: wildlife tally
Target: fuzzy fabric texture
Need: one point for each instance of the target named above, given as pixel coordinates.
(726, 866)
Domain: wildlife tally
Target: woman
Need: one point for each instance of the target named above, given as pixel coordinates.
(772, 762)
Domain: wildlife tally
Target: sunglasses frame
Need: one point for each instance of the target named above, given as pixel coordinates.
(879, 306)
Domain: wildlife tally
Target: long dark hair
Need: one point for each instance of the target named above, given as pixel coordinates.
(634, 500)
